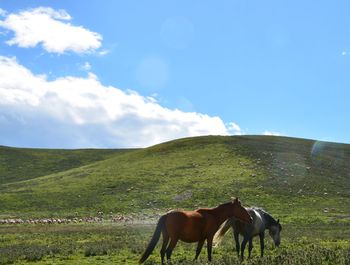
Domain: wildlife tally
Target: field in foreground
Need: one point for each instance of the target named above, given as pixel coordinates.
(106, 243)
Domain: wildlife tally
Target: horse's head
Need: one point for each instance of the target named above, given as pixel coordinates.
(275, 232)
(240, 212)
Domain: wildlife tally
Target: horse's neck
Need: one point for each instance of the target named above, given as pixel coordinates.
(268, 220)
(222, 214)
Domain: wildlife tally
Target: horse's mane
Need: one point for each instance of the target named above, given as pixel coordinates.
(220, 205)
(225, 204)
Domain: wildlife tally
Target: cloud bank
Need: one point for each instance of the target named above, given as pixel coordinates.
(74, 112)
(51, 29)
(271, 133)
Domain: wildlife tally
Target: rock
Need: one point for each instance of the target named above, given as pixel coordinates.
(183, 196)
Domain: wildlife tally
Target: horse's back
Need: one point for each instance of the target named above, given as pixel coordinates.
(177, 218)
(256, 227)
(183, 216)
(187, 226)
(258, 223)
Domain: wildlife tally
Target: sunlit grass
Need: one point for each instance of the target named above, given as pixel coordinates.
(116, 244)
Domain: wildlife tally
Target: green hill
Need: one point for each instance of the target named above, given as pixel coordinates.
(295, 178)
(26, 163)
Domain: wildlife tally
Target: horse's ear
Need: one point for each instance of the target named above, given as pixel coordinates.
(234, 200)
(278, 221)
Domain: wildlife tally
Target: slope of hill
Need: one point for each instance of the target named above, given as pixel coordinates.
(295, 178)
(18, 164)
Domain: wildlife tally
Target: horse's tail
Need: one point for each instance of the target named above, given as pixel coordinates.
(222, 231)
(152, 244)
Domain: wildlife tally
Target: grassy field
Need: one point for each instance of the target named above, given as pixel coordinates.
(304, 183)
(116, 244)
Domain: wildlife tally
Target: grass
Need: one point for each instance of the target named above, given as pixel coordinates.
(18, 164)
(293, 178)
(114, 244)
(302, 182)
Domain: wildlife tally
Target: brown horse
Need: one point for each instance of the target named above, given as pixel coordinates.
(193, 226)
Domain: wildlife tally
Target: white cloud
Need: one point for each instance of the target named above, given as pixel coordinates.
(272, 133)
(234, 129)
(85, 66)
(344, 53)
(76, 112)
(103, 52)
(3, 12)
(51, 29)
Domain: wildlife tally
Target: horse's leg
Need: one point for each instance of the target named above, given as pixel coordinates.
(236, 236)
(199, 249)
(250, 246)
(164, 245)
(171, 247)
(244, 243)
(262, 244)
(209, 247)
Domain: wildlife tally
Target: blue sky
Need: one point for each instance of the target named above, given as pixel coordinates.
(194, 67)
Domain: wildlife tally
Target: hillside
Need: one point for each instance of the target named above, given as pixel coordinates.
(296, 179)
(18, 164)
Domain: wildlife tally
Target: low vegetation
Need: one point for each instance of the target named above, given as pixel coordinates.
(115, 244)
